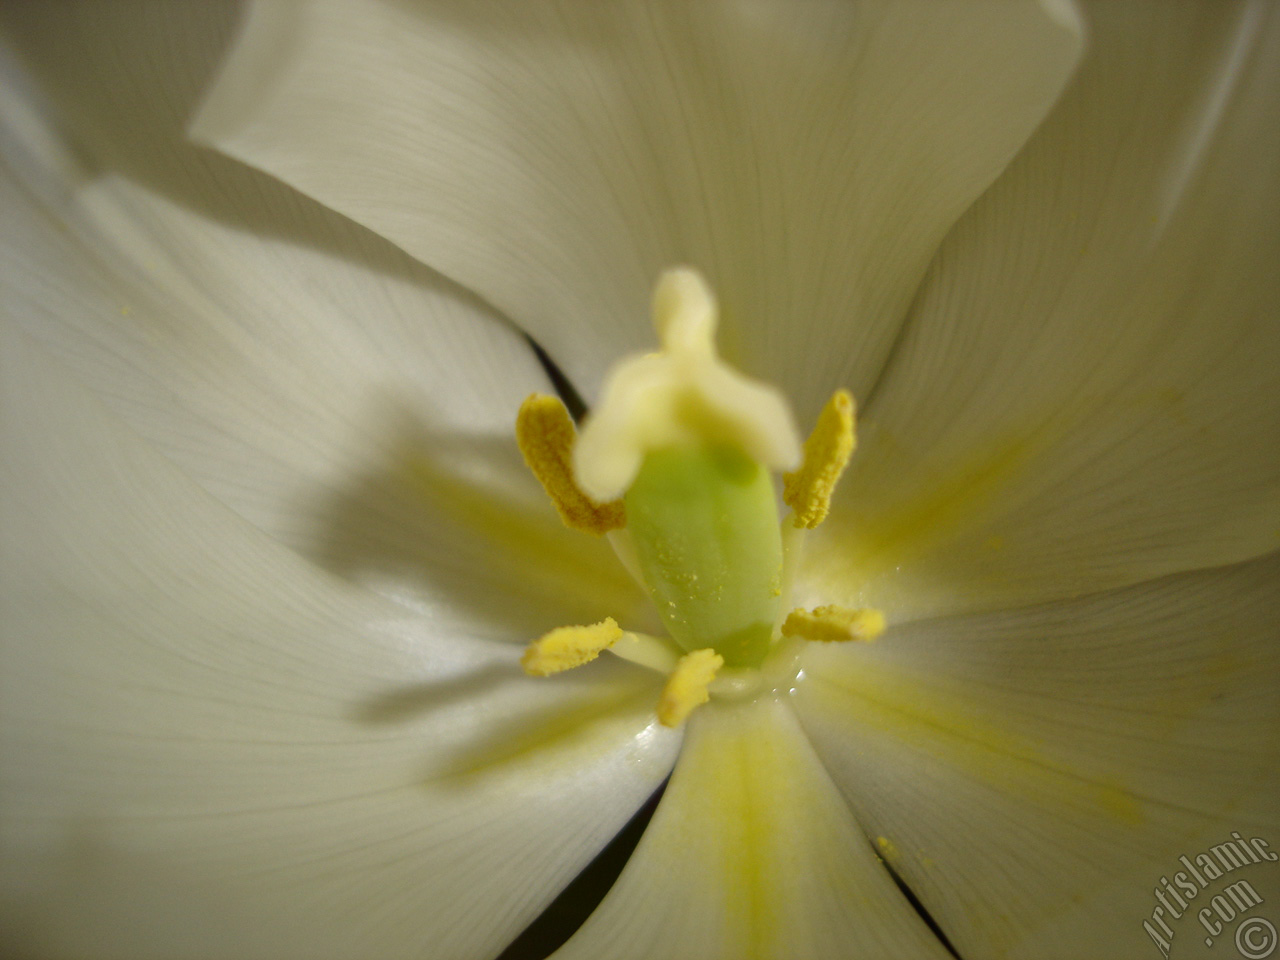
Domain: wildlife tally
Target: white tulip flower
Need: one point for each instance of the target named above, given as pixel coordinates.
(280, 603)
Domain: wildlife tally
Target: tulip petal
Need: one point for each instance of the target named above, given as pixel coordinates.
(555, 158)
(326, 386)
(209, 748)
(1035, 773)
(752, 853)
(1087, 393)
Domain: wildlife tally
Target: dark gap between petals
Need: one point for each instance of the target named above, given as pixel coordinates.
(567, 392)
(916, 904)
(566, 913)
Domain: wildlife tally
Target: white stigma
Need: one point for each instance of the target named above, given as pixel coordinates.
(683, 396)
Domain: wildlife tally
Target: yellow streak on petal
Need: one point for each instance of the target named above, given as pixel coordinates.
(546, 436)
(686, 688)
(834, 624)
(808, 490)
(567, 647)
(952, 725)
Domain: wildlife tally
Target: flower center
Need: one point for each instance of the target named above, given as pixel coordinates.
(676, 466)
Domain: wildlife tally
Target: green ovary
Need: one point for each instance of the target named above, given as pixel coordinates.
(704, 523)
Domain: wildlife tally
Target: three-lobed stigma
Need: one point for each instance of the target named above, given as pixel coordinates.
(677, 464)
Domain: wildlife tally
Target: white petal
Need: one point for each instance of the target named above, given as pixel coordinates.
(315, 378)
(752, 853)
(1088, 390)
(1036, 773)
(555, 158)
(210, 749)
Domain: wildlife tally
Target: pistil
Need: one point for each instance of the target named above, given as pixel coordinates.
(681, 453)
(705, 527)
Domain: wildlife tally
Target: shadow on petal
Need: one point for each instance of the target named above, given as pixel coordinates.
(407, 703)
(125, 80)
(574, 712)
(455, 522)
(568, 728)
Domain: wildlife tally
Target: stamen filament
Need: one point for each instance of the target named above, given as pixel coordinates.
(646, 650)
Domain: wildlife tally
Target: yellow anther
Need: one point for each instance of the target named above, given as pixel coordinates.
(546, 435)
(826, 453)
(686, 688)
(834, 624)
(568, 647)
